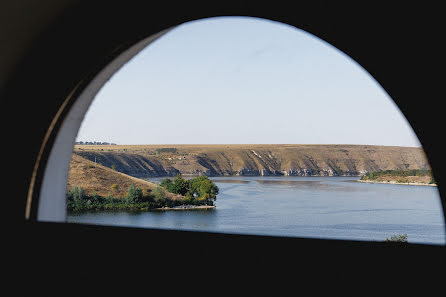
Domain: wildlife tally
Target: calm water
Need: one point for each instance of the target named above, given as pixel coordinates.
(316, 207)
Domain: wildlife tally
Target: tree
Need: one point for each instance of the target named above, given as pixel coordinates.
(76, 194)
(167, 184)
(180, 185)
(159, 196)
(203, 189)
(134, 194)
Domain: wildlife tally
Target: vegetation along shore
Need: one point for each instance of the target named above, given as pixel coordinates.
(105, 177)
(400, 177)
(92, 186)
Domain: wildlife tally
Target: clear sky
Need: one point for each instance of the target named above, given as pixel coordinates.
(243, 80)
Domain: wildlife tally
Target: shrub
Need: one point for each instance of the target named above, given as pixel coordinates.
(397, 238)
(203, 189)
(76, 193)
(159, 195)
(134, 194)
(189, 199)
(114, 187)
(167, 184)
(180, 185)
(166, 150)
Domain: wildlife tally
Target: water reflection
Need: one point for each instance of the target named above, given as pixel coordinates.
(318, 185)
(233, 181)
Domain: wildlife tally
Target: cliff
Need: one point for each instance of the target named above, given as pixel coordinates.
(256, 160)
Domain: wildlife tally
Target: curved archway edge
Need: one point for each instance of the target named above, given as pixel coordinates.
(95, 45)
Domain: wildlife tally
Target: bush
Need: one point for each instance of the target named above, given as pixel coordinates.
(397, 173)
(159, 195)
(76, 193)
(203, 189)
(167, 184)
(189, 199)
(134, 194)
(178, 186)
(397, 238)
(197, 191)
(114, 188)
(166, 150)
(77, 201)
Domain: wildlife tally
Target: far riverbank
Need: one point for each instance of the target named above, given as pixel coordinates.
(186, 207)
(395, 183)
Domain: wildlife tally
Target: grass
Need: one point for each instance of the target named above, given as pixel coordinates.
(401, 176)
(230, 159)
(104, 181)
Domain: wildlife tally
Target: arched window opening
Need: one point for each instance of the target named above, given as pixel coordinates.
(242, 125)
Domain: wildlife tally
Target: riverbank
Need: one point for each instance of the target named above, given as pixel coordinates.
(411, 177)
(186, 207)
(396, 183)
(252, 159)
(93, 187)
(322, 207)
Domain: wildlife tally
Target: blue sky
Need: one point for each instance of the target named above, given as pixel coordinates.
(243, 80)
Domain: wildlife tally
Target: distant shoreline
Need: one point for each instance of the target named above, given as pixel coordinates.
(168, 160)
(395, 183)
(185, 207)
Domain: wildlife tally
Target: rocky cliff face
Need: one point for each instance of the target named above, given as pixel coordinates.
(255, 160)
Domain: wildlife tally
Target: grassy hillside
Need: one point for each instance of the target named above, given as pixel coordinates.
(97, 178)
(259, 159)
(422, 177)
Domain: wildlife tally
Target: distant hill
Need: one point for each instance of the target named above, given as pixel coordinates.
(256, 159)
(95, 177)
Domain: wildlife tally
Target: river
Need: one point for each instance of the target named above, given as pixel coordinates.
(311, 207)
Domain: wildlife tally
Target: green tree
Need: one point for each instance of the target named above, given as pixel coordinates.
(167, 184)
(203, 189)
(180, 185)
(189, 199)
(134, 194)
(159, 196)
(76, 194)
